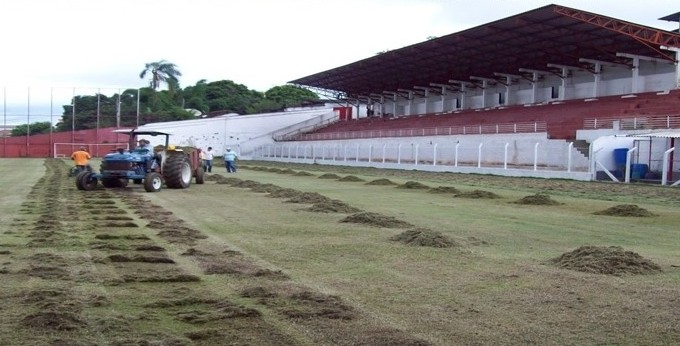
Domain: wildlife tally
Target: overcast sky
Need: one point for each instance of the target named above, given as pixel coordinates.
(104, 45)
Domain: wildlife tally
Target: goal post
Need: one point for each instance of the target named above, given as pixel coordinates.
(95, 149)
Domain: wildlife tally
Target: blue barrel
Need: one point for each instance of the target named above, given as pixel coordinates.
(638, 170)
(620, 155)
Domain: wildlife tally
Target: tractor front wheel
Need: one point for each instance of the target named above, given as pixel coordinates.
(88, 181)
(153, 182)
(79, 180)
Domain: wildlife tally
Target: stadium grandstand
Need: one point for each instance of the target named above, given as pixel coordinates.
(553, 74)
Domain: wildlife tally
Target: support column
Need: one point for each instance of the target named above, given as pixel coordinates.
(427, 94)
(563, 92)
(635, 78)
(485, 85)
(535, 74)
(636, 85)
(462, 92)
(444, 92)
(508, 82)
(509, 100)
(534, 86)
(596, 80)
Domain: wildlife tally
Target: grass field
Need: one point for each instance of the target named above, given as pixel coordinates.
(231, 262)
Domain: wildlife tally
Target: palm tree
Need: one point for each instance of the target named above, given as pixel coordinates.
(161, 71)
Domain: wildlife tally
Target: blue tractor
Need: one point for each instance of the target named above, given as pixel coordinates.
(152, 167)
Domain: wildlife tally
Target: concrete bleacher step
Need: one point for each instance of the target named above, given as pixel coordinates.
(582, 146)
(562, 119)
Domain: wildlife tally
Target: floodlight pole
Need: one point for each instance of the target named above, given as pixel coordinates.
(73, 117)
(118, 111)
(137, 108)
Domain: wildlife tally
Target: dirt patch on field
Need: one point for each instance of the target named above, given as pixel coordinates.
(229, 262)
(424, 237)
(376, 220)
(298, 303)
(54, 320)
(479, 194)
(613, 260)
(138, 258)
(313, 304)
(149, 248)
(538, 199)
(625, 210)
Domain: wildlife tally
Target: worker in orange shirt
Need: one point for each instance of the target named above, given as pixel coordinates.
(81, 158)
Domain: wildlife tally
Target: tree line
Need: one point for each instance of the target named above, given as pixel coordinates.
(146, 105)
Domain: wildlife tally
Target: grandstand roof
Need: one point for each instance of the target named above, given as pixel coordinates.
(531, 40)
(675, 17)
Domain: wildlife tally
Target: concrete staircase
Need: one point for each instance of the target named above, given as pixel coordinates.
(581, 145)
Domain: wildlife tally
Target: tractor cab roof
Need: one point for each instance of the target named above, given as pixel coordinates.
(135, 132)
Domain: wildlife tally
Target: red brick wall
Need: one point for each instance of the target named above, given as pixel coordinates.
(42, 145)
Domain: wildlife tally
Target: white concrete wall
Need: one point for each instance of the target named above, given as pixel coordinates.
(522, 172)
(230, 130)
(517, 151)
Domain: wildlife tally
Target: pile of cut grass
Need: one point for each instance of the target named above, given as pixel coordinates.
(333, 206)
(351, 178)
(444, 189)
(537, 199)
(424, 237)
(308, 197)
(381, 181)
(612, 260)
(377, 220)
(477, 194)
(329, 176)
(413, 185)
(625, 210)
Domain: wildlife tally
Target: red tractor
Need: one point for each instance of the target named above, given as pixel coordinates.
(152, 167)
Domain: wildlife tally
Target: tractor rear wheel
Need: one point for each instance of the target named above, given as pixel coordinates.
(177, 171)
(153, 182)
(200, 175)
